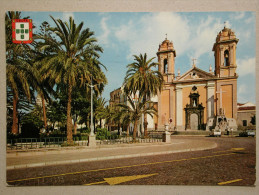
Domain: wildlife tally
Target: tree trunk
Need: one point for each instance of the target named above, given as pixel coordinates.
(128, 130)
(44, 112)
(75, 127)
(15, 118)
(145, 122)
(135, 130)
(118, 133)
(145, 126)
(69, 119)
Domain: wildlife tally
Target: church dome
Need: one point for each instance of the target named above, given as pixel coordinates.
(225, 34)
(166, 46)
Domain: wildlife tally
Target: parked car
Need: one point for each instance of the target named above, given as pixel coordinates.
(216, 133)
(251, 133)
(247, 133)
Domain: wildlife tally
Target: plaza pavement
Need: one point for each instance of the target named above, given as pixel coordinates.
(46, 157)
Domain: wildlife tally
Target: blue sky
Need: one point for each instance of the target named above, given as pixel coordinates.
(193, 34)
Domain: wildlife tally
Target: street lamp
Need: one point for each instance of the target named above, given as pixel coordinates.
(91, 138)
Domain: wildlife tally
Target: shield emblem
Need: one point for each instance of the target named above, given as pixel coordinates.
(22, 30)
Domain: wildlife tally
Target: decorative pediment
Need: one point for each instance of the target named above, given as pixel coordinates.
(195, 74)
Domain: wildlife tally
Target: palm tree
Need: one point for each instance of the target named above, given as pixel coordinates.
(69, 59)
(108, 114)
(100, 109)
(141, 78)
(135, 111)
(125, 119)
(19, 72)
(46, 83)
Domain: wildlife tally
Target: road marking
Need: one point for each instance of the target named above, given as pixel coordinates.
(227, 182)
(95, 183)
(237, 149)
(122, 167)
(117, 180)
(232, 149)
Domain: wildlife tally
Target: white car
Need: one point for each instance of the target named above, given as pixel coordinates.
(250, 133)
(216, 133)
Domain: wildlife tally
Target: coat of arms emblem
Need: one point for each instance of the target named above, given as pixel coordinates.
(22, 30)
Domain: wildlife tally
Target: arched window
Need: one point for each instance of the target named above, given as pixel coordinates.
(226, 58)
(165, 66)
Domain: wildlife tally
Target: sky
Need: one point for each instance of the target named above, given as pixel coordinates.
(124, 34)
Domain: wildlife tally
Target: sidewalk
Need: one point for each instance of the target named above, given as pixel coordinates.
(16, 160)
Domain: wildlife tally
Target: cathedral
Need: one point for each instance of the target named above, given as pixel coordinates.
(192, 101)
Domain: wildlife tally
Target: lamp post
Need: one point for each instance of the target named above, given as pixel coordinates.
(92, 125)
(91, 138)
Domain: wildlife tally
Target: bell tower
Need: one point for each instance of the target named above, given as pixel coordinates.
(166, 57)
(225, 53)
(225, 70)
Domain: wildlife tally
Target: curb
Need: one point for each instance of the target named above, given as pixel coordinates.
(106, 158)
(60, 151)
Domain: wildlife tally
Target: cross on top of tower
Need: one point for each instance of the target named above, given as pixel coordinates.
(166, 36)
(225, 24)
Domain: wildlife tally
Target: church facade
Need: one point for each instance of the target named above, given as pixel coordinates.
(192, 100)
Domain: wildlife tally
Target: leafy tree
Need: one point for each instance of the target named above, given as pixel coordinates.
(253, 120)
(20, 77)
(125, 119)
(100, 110)
(102, 133)
(46, 84)
(56, 112)
(135, 111)
(32, 123)
(73, 53)
(141, 78)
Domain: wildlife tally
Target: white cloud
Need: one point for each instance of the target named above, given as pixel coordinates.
(66, 15)
(145, 35)
(246, 93)
(105, 32)
(125, 31)
(249, 20)
(204, 36)
(246, 66)
(238, 15)
(191, 40)
(242, 93)
(242, 89)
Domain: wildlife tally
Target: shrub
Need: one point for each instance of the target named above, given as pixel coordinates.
(102, 133)
(243, 134)
(85, 130)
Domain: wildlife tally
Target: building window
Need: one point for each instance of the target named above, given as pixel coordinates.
(244, 123)
(165, 66)
(226, 58)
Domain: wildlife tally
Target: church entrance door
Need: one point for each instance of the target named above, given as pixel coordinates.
(194, 121)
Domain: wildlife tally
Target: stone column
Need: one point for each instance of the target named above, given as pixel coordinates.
(179, 108)
(169, 58)
(161, 65)
(221, 56)
(234, 95)
(159, 116)
(171, 102)
(231, 55)
(171, 107)
(210, 99)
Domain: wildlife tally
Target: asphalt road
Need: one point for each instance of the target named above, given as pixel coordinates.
(231, 163)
